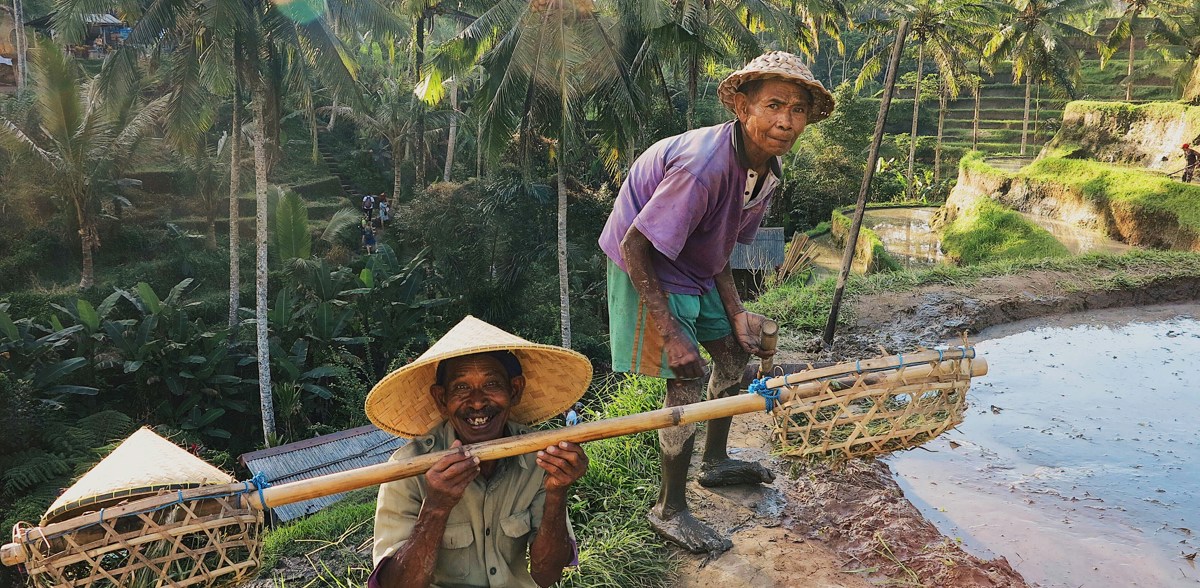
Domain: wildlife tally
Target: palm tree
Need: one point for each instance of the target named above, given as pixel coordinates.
(1178, 39)
(82, 140)
(388, 111)
(546, 63)
(271, 48)
(1125, 31)
(944, 28)
(1036, 37)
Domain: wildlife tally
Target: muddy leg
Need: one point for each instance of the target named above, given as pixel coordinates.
(670, 516)
(729, 362)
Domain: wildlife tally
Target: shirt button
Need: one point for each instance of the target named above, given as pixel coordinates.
(487, 532)
(492, 571)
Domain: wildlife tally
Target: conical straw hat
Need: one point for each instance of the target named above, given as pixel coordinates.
(554, 379)
(145, 463)
(779, 65)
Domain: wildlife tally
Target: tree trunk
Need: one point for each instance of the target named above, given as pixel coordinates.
(693, 74)
(419, 62)
(235, 190)
(397, 171)
(937, 149)
(266, 400)
(1129, 72)
(22, 46)
(452, 138)
(479, 148)
(1025, 117)
(912, 145)
(975, 118)
(332, 116)
(889, 87)
(212, 231)
(563, 278)
(89, 241)
(1037, 113)
(312, 128)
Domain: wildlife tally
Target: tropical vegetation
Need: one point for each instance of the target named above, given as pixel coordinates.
(126, 202)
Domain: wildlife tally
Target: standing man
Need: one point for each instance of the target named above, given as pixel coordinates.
(368, 207)
(1190, 156)
(687, 200)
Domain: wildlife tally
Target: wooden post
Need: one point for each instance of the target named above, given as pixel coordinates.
(889, 87)
(770, 338)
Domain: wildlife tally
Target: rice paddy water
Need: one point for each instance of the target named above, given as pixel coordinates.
(909, 239)
(1079, 459)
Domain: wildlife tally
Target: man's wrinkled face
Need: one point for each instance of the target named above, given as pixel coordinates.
(477, 396)
(773, 115)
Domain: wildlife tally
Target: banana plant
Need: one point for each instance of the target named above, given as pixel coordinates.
(41, 355)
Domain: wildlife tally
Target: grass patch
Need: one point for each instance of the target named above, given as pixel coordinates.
(806, 307)
(617, 547)
(350, 521)
(1148, 193)
(988, 231)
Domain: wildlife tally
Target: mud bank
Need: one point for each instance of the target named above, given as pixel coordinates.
(930, 314)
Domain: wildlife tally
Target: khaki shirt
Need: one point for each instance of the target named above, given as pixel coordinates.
(489, 531)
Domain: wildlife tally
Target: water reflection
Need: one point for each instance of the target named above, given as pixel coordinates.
(906, 235)
(909, 239)
(1077, 462)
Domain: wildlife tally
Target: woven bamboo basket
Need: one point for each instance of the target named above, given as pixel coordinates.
(149, 515)
(861, 412)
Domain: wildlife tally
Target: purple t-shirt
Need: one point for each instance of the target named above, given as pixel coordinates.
(687, 194)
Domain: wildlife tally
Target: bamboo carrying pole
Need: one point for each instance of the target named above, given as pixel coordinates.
(791, 387)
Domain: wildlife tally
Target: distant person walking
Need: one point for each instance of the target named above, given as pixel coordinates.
(1191, 157)
(368, 207)
(368, 238)
(573, 414)
(385, 208)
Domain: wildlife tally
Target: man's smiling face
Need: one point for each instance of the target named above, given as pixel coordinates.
(476, 397)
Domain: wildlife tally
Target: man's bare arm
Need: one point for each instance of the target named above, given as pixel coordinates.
(683, 357)
(747, 326)
(552, 550)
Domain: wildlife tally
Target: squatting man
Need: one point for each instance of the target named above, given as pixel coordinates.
(467, 522)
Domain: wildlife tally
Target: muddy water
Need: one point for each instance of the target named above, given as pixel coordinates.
(906, 235)
(1079, 460)
(1076, 239)
(910, 240)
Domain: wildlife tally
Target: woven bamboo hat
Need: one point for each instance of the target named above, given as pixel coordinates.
(554, 379)
(142, 465)
(779, 65)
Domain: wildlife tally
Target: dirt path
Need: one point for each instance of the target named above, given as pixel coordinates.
(850, 526)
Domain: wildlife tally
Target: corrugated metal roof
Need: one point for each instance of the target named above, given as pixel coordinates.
(327, 454)
(766, 253)
(101, 19)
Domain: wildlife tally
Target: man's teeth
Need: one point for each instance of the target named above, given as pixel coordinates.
(478, 421)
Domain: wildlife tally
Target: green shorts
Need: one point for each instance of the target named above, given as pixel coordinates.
(636, 343)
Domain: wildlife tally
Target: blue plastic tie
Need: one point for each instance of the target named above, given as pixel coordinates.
(940, 358)
(901, 356)
(260, 481)
(770, 395)
(101, 516)
(964, 352)
(858, 365)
